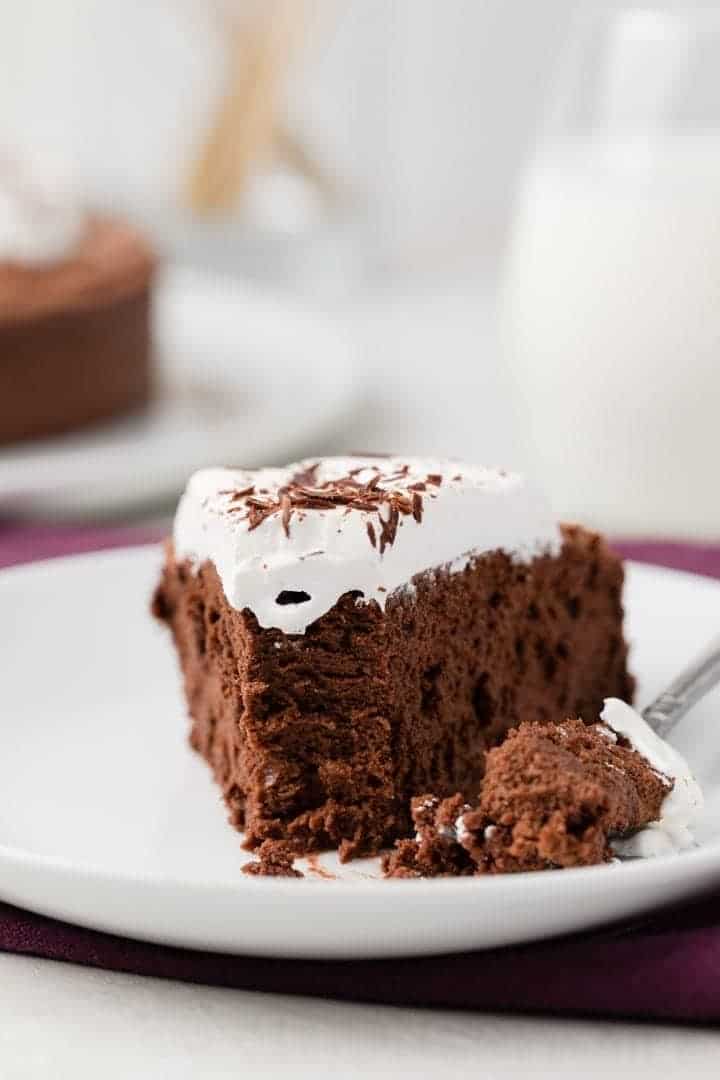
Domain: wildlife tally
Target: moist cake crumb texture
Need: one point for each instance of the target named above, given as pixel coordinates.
(274, 859)
(414, 660)
(553, 795)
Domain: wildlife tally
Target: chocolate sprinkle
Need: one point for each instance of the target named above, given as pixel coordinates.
(388, 529)
(302, 492)
(287, 510)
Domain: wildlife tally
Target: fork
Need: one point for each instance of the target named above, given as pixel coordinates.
(686, 689)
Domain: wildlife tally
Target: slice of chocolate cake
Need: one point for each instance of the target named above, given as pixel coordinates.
(354, 631)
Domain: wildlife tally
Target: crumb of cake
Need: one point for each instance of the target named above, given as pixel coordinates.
(553, 796)
(274, 859)
(435, 851)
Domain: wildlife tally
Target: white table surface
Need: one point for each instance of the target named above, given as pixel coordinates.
(58, 1021)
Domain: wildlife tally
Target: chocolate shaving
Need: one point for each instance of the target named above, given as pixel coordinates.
(388, 529)
(304, 476)
(404, 503)
(435, 479)
(286, 513)
(303, 492)
(399, 475)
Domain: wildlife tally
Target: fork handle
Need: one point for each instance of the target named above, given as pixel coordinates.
(684, 691)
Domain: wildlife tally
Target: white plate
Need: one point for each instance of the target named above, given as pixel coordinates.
(108, 819)
(244, 378)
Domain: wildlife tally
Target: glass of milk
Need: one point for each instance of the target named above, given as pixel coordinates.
(610, 302)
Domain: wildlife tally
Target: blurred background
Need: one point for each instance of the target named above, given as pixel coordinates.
(483, 229)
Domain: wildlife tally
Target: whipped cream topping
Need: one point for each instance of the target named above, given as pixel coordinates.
(683, 803)
(288, 543)
(41, 222)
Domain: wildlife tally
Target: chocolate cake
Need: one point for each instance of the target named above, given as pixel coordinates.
(75, 291)
(274, 859)
(556, 796)
(353, 632)
(553, 795)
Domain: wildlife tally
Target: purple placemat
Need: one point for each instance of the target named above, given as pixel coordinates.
(667, 967)
(27, 543)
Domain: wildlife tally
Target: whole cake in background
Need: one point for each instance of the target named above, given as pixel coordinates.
(354, 632)
(75, 309)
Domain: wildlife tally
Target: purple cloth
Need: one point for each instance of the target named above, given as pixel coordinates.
(26, 543)
(666, 967)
